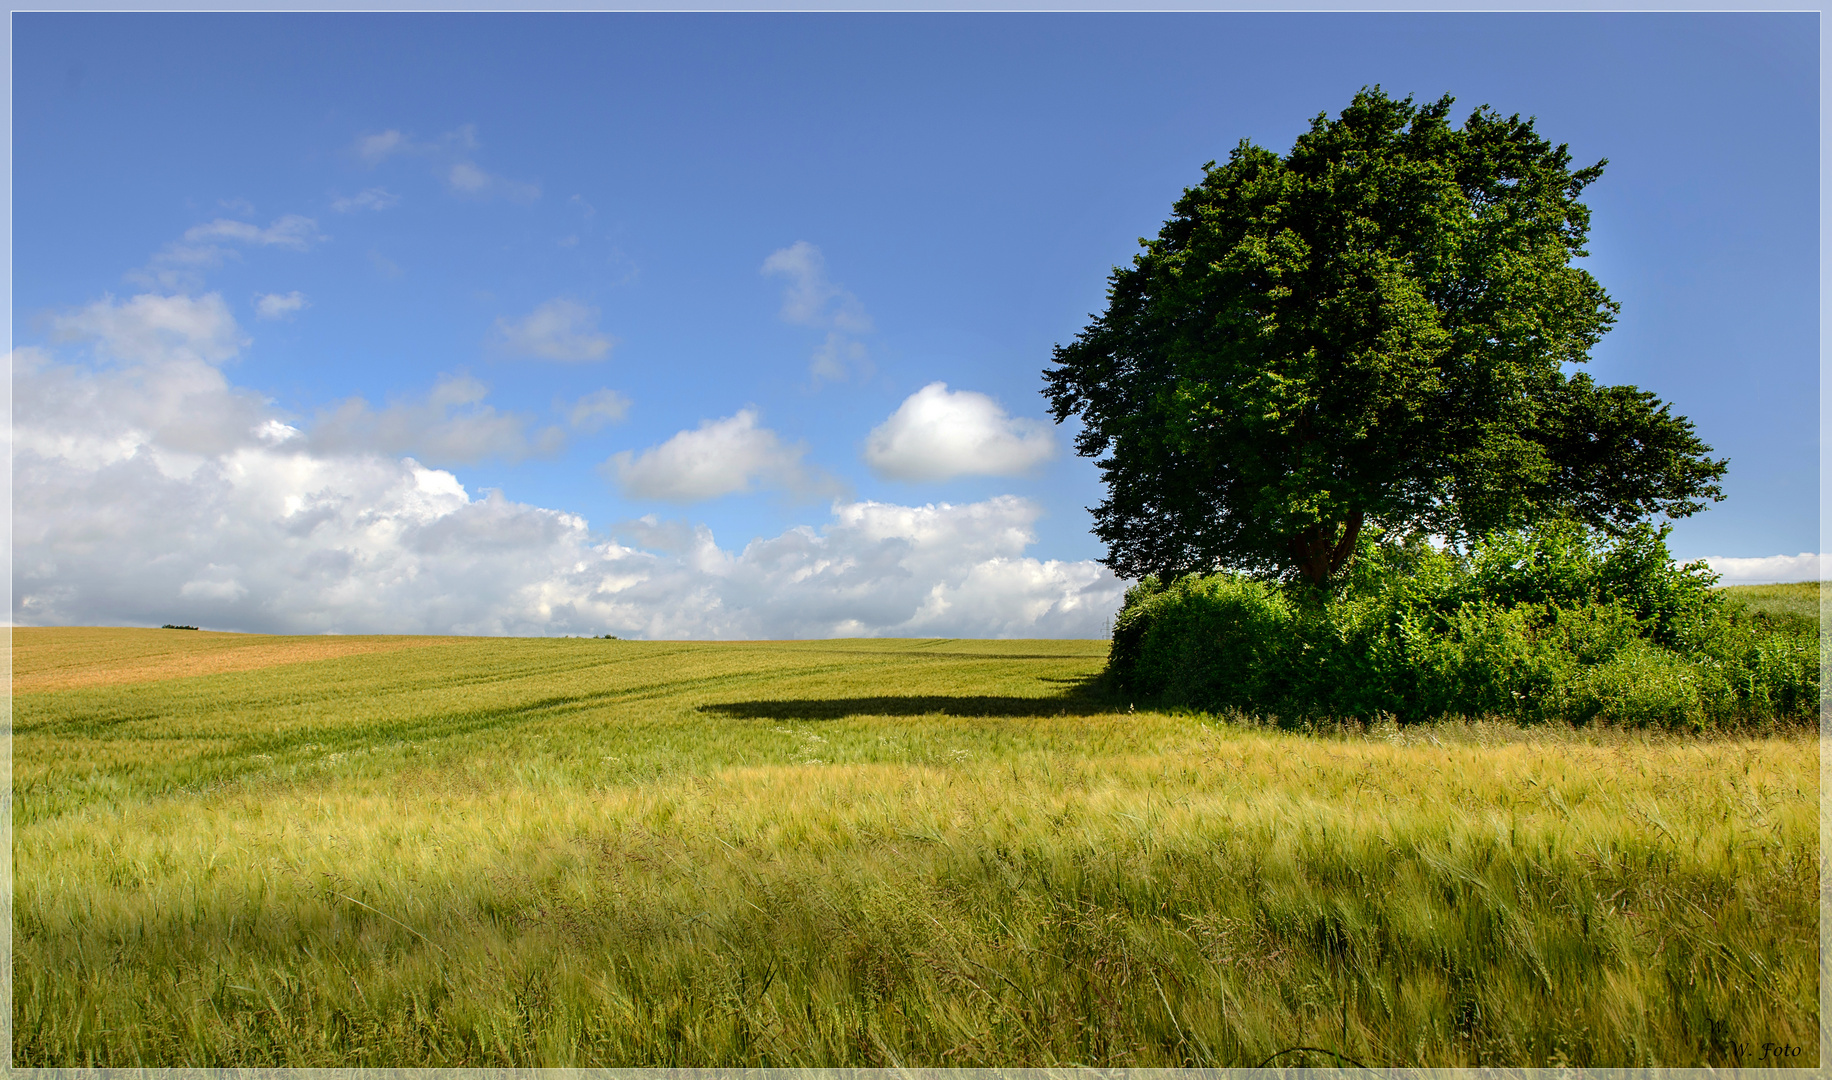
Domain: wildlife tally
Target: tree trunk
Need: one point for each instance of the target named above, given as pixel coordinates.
(1320, 552)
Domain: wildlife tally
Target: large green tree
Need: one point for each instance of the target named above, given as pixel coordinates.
(1374, 330)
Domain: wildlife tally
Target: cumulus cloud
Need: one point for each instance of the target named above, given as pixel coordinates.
(368, 199)
(155, 329)
(720, 457)
(452, 155)
(384, 265)
(874, 569)
(170, 407)
(596, 409)
(1767, 570)
(262, 530)
(289, 231)
(450, 426)
(158, 379)
(466, 178)
(280, 306)
(810, 298)
(178, 266)
(838, 357)
(376, 148)
(559, 329)
(937, 434)
(461, 141)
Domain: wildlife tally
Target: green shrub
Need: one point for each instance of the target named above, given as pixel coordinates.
(1213, 642)
(1557, 623)
(1770, 668)
(1565, 565)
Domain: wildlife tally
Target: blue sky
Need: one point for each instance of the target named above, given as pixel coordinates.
(527, 253)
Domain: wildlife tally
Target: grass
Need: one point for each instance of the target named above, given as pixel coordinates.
(867, 853)
(1793, 603)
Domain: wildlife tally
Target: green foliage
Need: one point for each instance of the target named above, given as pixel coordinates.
(1222, 640)
(1563, 565)
(1369, 331)
(1555, 623)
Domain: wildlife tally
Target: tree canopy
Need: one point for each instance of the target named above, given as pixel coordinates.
(1374, 330)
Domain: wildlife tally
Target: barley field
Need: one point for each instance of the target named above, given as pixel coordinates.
(235, 850)
(1796, 601)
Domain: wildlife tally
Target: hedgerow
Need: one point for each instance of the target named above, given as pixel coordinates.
(1556, 623)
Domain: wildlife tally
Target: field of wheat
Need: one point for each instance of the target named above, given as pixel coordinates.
(233, 850)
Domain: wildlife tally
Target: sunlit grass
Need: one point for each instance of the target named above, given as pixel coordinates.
(1794, 601)
(489, 852)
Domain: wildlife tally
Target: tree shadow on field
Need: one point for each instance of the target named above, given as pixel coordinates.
(1081, 697)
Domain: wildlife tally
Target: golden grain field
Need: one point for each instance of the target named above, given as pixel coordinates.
(239, 850)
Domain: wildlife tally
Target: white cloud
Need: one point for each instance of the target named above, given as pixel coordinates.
(384, 265)
(374, 149)
(937, 434)
(178, 265)
(280, 306)
(809, 298)
(720, 457)
(451, 155)
(379, 147)
(171, 409)
(875, 569)
(206, 588)
(596, 409)
(261, 531)
(168, 397)
(368, 199)
(559, 329)
(839, 357)
(451, 426)
(468, 177)
(292, 231)
(155, 329)
(1773, 568)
